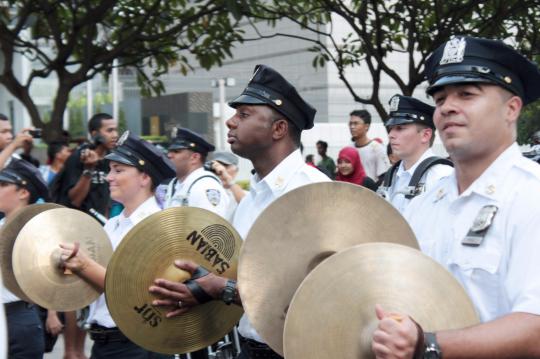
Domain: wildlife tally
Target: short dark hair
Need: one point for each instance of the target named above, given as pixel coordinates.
(3, 117)
(363, 114)
(54, 148)
(94, 124)
(322, 144)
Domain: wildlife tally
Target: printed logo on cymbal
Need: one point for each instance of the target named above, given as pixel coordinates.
(216, 244)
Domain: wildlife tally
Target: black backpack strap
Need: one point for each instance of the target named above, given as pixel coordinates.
(423, 167)
(389, 175)
(387, 180)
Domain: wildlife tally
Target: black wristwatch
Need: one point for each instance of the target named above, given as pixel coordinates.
(432, 349)
(229, 292)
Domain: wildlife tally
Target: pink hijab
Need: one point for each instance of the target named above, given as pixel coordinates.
(357, 176)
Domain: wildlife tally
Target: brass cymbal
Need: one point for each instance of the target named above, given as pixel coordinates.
(8, 235)
(36, 256)
(332, 315)
(147, 252)
(299, 230)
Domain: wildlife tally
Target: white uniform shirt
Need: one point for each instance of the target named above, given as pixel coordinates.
(206, 193)
(116, 228)
(7, 295)
(502, 274)
(402, 178)
(291, 173)
(374, 159)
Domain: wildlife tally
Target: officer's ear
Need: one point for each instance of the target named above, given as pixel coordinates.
(23, 194)
(513, 109)
(146, 180)
(280, 128)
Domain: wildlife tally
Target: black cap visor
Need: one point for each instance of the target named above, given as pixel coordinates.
(120, 158)
(456, 80)
(393, 121)
(7, 177)
(246, 99)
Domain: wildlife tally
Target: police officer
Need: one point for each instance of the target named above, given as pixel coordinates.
(194, 186)
(136, 169)
(266, 129)
(21, 184)
(411, 133)
(481, 223)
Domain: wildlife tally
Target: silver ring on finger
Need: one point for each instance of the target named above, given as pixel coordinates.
(179, 304)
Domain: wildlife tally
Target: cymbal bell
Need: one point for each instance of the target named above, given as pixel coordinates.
(332, 315)
(36, 258)
(8, 235)
(298, 231)
(148, 252)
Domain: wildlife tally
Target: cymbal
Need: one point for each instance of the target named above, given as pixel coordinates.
(147, 252)
(332, 315)
(36, 257)
(8, 235)
(299, 230)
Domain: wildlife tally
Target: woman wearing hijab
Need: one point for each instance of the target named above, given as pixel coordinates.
(350, 169)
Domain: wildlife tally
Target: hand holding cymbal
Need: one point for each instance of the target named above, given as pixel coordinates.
(177, 296)
(395, 333)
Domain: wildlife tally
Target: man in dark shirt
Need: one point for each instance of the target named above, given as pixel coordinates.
(83, 183)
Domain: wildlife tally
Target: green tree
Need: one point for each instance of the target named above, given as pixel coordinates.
(379, 29)
(78, 39)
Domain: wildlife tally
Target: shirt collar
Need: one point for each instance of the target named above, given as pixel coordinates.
(192, 176)
(144, 210)
(280, 176)
(401, 169)
(489, 184)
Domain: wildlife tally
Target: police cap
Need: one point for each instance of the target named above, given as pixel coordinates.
(182, 138)
(25, 174)
(472, 60)
(226, 158)
(268, 87)
(133, 151)
(405, 109)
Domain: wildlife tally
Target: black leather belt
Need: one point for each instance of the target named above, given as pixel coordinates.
(19, 305)
(100, 334)
(255, 349)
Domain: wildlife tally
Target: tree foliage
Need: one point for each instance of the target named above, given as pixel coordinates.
(379, 29)
(78, 39)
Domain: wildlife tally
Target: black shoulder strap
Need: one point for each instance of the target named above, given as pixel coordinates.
(389, 175)
(422, 168)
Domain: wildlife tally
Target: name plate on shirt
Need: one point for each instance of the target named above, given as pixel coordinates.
(480, 226)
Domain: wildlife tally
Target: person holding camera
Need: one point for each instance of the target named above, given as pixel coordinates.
(194, 185)
(83, 184)
(10, 144)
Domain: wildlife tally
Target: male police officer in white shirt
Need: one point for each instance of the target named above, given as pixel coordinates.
(411, 133)
(266, 129)
(194, 186)
(481, 223)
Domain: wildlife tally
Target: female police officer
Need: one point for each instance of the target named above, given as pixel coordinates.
(136, 168)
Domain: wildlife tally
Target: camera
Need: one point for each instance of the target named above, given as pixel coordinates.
(36, 133)
(208, 166)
